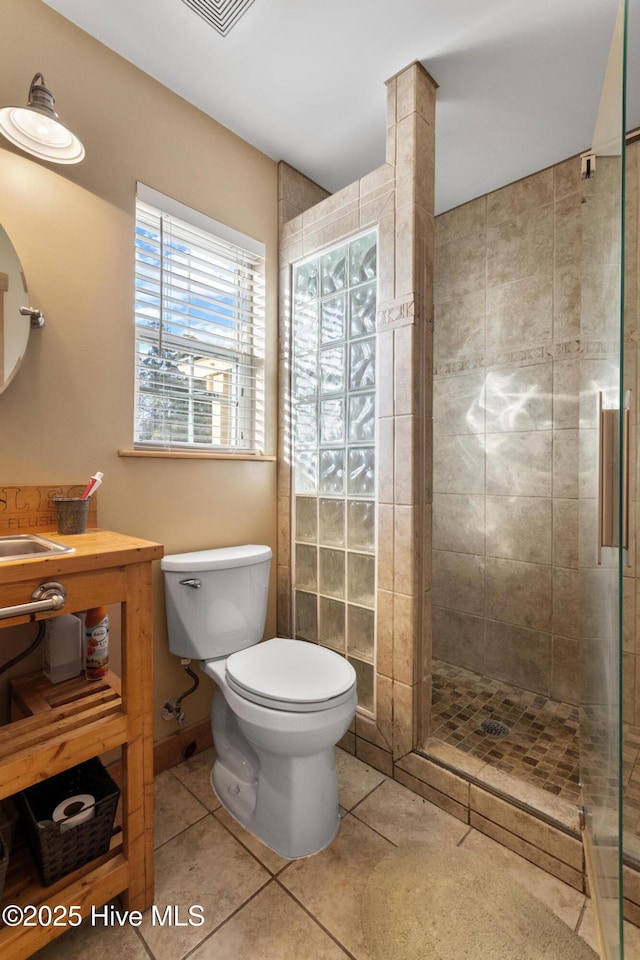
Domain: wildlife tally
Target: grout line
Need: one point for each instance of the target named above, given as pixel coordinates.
(583, 910)
(282, 869)
(188, 789)
(213, 813)
(218, 820)
(244, 845)
(144, 943)
(180, 832)
(373, 829)
(464, 837)
(316, 920)
(227, 919)
(366, 796)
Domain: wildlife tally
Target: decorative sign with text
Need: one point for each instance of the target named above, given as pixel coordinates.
(27, 509)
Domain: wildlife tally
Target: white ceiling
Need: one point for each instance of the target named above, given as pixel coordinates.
(519, 80)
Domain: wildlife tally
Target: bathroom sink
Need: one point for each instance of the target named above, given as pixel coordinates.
(25, 546)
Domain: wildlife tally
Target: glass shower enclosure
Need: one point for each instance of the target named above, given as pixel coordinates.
(604, 498)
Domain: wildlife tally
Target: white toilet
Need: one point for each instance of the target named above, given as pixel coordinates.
(282, 705)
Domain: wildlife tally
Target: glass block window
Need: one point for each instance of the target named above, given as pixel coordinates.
(334, 454)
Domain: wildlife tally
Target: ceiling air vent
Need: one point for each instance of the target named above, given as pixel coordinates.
(221, 14)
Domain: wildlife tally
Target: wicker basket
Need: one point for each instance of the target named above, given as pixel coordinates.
(8, 822)
(57, 852)
(4, 861)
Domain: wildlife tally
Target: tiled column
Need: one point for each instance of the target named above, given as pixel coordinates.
(405, 349)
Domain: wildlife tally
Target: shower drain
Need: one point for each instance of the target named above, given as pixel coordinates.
(494, 728)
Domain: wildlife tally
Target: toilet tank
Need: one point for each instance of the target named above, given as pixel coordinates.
(216, 600)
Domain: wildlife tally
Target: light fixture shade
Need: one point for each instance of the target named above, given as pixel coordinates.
(37, 129)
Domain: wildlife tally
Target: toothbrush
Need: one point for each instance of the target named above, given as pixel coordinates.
(92, 486)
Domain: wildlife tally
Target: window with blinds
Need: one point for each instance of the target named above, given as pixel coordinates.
(199, 318)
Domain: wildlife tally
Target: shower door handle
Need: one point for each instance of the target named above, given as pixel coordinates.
(626, 471)
(613, 496)
(608, 486)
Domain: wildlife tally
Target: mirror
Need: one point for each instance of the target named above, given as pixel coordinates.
(14, 326)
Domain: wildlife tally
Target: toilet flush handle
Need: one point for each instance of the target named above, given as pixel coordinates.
(196, 584)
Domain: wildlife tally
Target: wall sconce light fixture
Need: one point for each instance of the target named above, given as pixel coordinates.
(37, 129)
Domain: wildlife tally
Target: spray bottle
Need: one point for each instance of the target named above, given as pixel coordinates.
(96, 643)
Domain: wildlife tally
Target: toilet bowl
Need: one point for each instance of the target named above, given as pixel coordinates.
(283, 789)
(281, 705)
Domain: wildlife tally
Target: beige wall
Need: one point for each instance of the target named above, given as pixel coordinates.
(71, 406)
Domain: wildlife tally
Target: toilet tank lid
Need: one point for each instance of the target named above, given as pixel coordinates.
(220, 558)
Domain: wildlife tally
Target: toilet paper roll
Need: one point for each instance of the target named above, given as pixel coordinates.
(73, 811)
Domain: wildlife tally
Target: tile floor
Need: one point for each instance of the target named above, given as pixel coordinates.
(260, 906)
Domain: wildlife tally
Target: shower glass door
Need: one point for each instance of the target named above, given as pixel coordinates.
(603, 497)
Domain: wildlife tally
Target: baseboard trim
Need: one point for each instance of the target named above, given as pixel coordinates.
(181, 745)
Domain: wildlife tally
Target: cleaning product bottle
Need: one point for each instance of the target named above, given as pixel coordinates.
(96, 643)
(62, 652)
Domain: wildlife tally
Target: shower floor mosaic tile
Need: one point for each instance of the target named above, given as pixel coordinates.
(541, 746)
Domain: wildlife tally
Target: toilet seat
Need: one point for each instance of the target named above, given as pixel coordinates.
(291, 675)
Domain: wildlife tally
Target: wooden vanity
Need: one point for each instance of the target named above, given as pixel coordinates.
(83, 720)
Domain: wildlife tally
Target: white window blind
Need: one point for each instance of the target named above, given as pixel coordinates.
(199, 316)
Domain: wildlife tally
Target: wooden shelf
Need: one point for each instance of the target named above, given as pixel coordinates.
(35, 694)
(55, 726)
(108, 874)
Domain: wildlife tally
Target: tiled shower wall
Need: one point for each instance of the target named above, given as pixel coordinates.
(508, 300)
(506, 382)
(296, 193)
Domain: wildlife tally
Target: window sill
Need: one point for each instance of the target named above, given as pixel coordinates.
(193, 455)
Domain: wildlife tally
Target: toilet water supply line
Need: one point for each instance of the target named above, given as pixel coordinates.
(172, 710)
